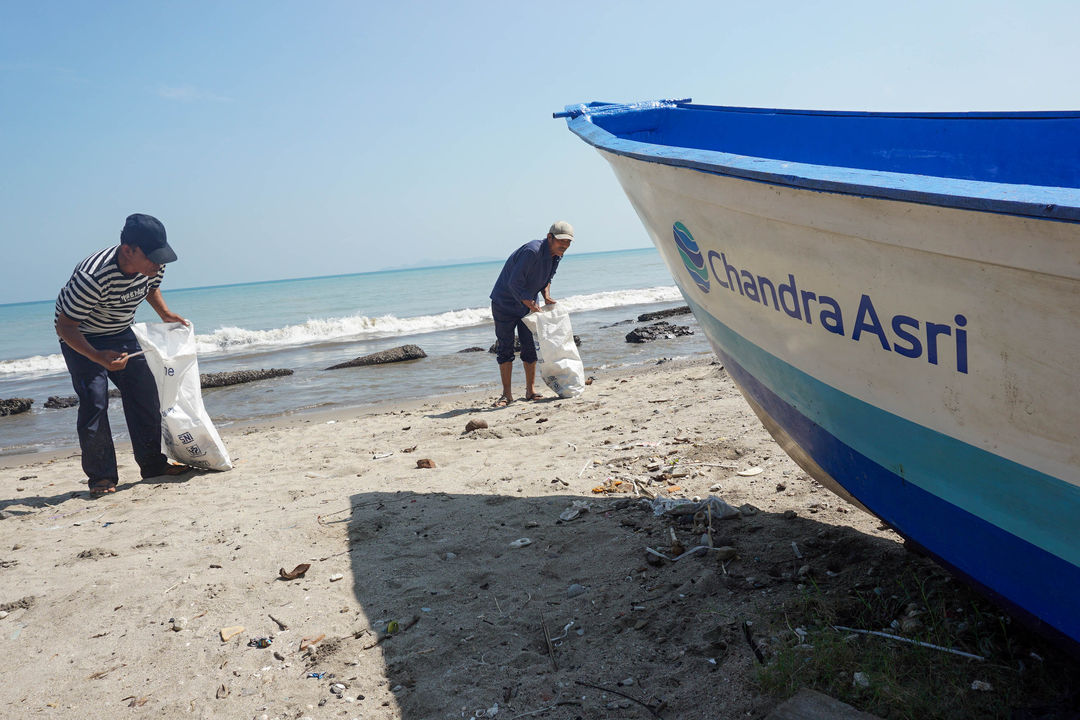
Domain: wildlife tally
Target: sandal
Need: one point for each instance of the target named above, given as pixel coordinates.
(535, 396)
(101, 487)
(502, 402)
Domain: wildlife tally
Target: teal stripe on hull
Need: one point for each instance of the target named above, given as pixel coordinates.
(1038, 508)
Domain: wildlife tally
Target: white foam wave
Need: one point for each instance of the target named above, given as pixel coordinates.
(36, 365)
(232, 339)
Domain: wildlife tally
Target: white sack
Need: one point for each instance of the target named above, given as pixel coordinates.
(559, 365)
(186, 431)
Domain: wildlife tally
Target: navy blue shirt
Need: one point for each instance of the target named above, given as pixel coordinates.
(525, 274)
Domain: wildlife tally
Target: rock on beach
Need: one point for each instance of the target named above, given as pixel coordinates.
(657, 331)
(646, 317)
(398, 354)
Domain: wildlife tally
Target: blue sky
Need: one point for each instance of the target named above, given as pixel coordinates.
(287, 139)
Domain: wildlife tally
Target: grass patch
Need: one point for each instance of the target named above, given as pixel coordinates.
(1027, 676)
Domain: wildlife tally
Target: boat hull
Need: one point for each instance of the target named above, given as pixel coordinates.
(918, 358)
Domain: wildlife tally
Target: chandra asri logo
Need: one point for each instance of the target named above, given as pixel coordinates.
(691, 256)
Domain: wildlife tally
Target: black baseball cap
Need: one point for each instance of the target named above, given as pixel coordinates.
(148, 234)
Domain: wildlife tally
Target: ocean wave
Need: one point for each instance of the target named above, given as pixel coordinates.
(361, 327)
(320, 330)
(36, 365)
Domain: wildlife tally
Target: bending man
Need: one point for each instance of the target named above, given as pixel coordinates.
(527, 272)
(94, 313)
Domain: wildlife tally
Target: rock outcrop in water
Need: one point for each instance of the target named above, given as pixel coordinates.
(61, 401)
(646, 317)
(398, 354)
(657, 331)
(222, 379)
(14, 406)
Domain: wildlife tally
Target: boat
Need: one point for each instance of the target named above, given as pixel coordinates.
(897, 295)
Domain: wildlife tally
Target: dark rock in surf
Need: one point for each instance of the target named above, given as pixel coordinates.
(645, 317)
(223, 379)
(471, 349)
(657, 331)
(14, 406)
(398, 354)
(61, 401)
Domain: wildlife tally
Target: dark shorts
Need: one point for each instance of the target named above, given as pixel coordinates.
(505, 325)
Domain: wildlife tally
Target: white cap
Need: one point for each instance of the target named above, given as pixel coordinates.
(562, 230)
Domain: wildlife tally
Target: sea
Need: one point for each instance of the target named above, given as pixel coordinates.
(309, 324)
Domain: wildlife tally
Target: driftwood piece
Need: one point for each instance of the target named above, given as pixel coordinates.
(398, 354)
(222, 379)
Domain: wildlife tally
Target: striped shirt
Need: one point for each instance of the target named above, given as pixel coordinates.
(101, 297)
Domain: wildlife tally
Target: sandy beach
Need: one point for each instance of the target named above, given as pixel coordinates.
(455, 591)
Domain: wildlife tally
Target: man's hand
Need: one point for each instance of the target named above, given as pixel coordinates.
(171, 317)
(531, 304)
(111, 360)
(549, 300)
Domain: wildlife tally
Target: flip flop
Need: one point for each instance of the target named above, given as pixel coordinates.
(535, 396)
(503, 401)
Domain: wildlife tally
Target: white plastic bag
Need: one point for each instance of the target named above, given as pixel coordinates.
(186, 431)
(560, 365)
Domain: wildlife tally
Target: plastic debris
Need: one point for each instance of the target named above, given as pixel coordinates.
(712, 506)
(521, 542)
(262, 642)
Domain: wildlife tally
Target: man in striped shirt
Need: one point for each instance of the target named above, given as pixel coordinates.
(94, 313)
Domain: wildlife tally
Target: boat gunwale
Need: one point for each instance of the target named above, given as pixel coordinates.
(1036, 201)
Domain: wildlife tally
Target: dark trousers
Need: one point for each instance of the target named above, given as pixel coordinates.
(139, 395)
(505, 325)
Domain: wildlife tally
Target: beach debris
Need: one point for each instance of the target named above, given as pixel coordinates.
(653, 704)
(900, 638)
(397, 354)
(981, 686)
(612, 485)
(425, 463)
(576, 508)
(335, 577)
(712, 506)
(574, 590)
(3, 614)
(751, 471)
(475, 425)
(547, 640)
(392, 628)
(380, 456)
(860, 679)
(296, 572)
(228, 633)
(278, 656)
(179, 623)
(317, 675)
(748, 510)
(409, 449)
(222, 692)
(307, 642)
(260, 642)
(521, 542)
(280, 624)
